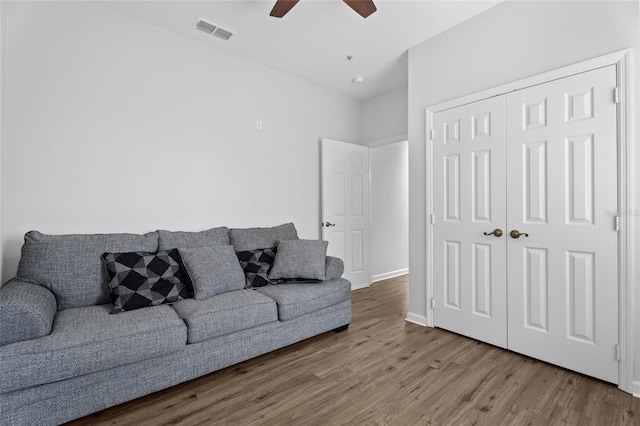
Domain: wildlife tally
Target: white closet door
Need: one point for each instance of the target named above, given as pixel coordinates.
(469, 200)
(562, 192)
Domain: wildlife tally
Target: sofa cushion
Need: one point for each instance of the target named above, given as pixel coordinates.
(89, 339)
(256, 265)
(225, 313)
(297, 299)
(213, 270)
(180, 239)
(260, 238)
(71, 265)
(26, 312)
(141, 279)
(300, 259)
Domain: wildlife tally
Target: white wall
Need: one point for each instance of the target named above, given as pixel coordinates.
(384, 129)
(114, 125)
(509, 42)
(385, 117)
(389, 170)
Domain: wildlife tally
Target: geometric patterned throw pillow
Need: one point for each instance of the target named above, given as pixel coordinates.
(256, 265)
(141, 279)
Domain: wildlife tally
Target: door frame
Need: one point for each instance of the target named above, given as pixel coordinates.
(628, 193)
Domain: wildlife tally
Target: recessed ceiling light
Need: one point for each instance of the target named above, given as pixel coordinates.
(358, 79)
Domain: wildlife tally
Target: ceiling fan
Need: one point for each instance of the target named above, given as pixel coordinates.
(363, 7)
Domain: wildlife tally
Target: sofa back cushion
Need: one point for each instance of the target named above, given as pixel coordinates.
(71, 265)
(260, 238)
(214, 237)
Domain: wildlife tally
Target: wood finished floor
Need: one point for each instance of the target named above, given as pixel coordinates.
(383, 371)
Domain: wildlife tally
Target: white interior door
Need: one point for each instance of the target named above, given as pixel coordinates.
(345, 207)
(469, 273)
(544, 170)
(562, 192)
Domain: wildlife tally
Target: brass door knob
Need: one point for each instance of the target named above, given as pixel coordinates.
(328, 224)
(516, 234)
(497, 232)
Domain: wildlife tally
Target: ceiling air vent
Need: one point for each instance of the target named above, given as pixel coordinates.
(213, 29)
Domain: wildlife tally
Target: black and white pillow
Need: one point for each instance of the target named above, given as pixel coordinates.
(256, 265)
(141, 279)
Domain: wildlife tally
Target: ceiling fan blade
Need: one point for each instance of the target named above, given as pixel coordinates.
(282, 7)
(364, 8)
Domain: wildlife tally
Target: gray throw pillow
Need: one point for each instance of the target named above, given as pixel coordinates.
(213, 270)
(304, 259)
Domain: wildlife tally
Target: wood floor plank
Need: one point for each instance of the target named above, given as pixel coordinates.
(383, 371)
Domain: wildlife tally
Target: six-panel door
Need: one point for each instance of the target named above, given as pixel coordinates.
(562, 191)
(469, 175)
(345, 207)
(539, 164)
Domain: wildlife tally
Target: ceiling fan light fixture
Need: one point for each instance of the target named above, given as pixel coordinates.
(282, 7)
(363, 8)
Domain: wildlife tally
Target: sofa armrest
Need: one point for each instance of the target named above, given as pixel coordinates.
(333, 268)
(26, 311)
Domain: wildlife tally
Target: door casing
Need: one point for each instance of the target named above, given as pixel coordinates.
(628, 191)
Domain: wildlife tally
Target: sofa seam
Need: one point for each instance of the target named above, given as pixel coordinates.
(231, 332)
(227, 309)
(4, 357)
(324, 295)
(311, 312)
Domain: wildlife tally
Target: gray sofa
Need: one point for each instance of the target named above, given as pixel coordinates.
(64, 355)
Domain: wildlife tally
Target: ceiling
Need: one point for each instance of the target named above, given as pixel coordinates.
(315, 38)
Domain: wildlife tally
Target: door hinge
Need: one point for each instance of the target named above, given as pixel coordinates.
(431, 134)
(616, 95)
(616, 223)
(433, 303)
(617, 349)
(433, 218)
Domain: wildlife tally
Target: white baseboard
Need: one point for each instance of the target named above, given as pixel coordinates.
(391, 274)
(358, 286)
(416, 319)
(636, 388)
